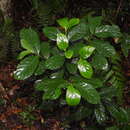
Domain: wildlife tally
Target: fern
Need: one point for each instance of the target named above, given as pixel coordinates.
(8, 41)
(46, 13)
(115, 77)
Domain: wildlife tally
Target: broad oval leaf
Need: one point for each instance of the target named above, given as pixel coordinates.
(72, 96)
(94, 82)
(94, 22)
(86, 51)
(78, 32)
(46, 84)
(52, 94)
(104, 48)
(54, 62)
(87, 91)
(40, 69)
(99, 62)
(105, 31)
(23, 54)
(45, 50)
(69, 54)
(30, 40)
(62, 41)
(72, 68)
(51, 32)
(58, 74)
(100, 114)
(85, 68)
(26, 68)
(76, 47)
(63, 22)
(73, 22)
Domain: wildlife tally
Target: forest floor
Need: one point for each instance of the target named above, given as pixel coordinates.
(17, 107)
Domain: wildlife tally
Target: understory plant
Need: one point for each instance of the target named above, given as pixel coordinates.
(80, 64)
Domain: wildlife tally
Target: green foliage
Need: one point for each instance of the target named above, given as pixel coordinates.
(46, 13)
(125, 44)
(62, 41)
(26, 67)
(51, 32)
(54, 62)
(100, 114)
(72, 96)
(86, 51)
(85, 68)
(9, 42)
(77, 62)
(67, 24)
(30, 40)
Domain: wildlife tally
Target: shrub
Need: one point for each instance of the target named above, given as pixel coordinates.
(79, 62)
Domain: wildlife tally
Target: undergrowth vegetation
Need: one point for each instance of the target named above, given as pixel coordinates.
(79, 66)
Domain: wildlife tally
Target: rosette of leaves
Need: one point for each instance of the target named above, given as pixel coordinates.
(75, 61)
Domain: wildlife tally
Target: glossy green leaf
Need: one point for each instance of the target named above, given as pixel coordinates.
(94, 22)
(86, 51)
(46, 84)
(41, 68)
(99, 62)
(26, 68)
(76, 47)
(58, 74)
(54, 62)
(78, 32)
(87, 91)
(66, 23)
(63, 22)
(104, 48)
(45, 50)
(69, 54)
(100, 114)
(51, 32)
(72, 68)
(72, 96)
(52, 94)
(23, 54)
(94, 82)
(73, 22)
(106, 31)
(30, 40)
(85, 68)
(62, 41)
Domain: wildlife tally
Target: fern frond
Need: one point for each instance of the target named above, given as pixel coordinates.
(115, 77)
(8, 41)
(46, 12)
